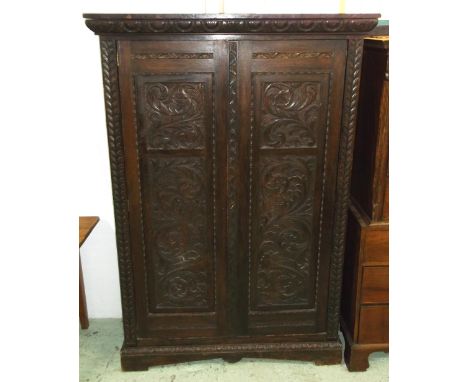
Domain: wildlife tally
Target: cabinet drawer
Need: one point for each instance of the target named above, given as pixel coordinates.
(373, 324)
(376, 246)
(374, 288)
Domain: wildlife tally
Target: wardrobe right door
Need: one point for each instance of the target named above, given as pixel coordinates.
(290, 100)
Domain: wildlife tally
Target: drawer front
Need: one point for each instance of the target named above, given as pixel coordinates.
(373, 324)
(374, 288)
(376, 246)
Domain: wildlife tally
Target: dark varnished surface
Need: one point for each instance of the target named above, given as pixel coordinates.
(224, 16)
(369, 185)
(225, 23)
(229, 157)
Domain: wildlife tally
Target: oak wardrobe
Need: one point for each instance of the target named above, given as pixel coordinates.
(231, 143)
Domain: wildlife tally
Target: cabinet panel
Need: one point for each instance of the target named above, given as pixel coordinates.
(171, 118)
(290, 121)
(282, 233)
(373, 324)
(374, 287)
(375, 246)
(174, 130)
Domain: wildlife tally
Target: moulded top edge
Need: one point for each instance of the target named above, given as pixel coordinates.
(224, 23)
(224, 16)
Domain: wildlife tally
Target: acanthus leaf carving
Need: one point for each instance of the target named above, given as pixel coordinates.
(289, 112)
(174, 115)
(284, 235)
(180, 251)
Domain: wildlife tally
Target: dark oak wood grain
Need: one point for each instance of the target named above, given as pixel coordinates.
(231, 143)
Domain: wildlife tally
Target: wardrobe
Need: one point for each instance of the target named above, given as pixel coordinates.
(231, 144)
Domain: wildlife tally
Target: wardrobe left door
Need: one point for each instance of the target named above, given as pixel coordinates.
(172, 96)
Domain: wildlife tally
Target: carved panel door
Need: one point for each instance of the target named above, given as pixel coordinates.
(290, 119)
(172, 95)
(230, 154)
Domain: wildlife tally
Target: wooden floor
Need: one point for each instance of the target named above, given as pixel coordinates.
(100, 362)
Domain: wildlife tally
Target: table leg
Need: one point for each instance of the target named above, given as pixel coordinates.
(84, 322)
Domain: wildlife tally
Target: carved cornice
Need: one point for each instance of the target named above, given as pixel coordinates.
(155, 24)
(114, 132)
(350, 103)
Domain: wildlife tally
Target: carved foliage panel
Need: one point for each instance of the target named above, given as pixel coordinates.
(175, 130)
(289, 119)
(290, 112)
(179, 220)
(283, 230)
(174, 116)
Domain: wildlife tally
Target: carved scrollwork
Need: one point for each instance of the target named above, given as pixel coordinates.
(291, 55)
(171, 55)
(180, 230)
(174, 115)
(232, 186)
(289, 111)
(284, 235)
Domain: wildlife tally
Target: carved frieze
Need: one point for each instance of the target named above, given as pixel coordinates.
(170, 55)
(291, 55)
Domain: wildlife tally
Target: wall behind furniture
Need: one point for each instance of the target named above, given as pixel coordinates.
(99, 253)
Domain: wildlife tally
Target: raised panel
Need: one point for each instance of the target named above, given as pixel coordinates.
(283, 233)
(290, 119)
(179, 243)
(373, 324)
(175, 132)
(174, 116)
(289, 114)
